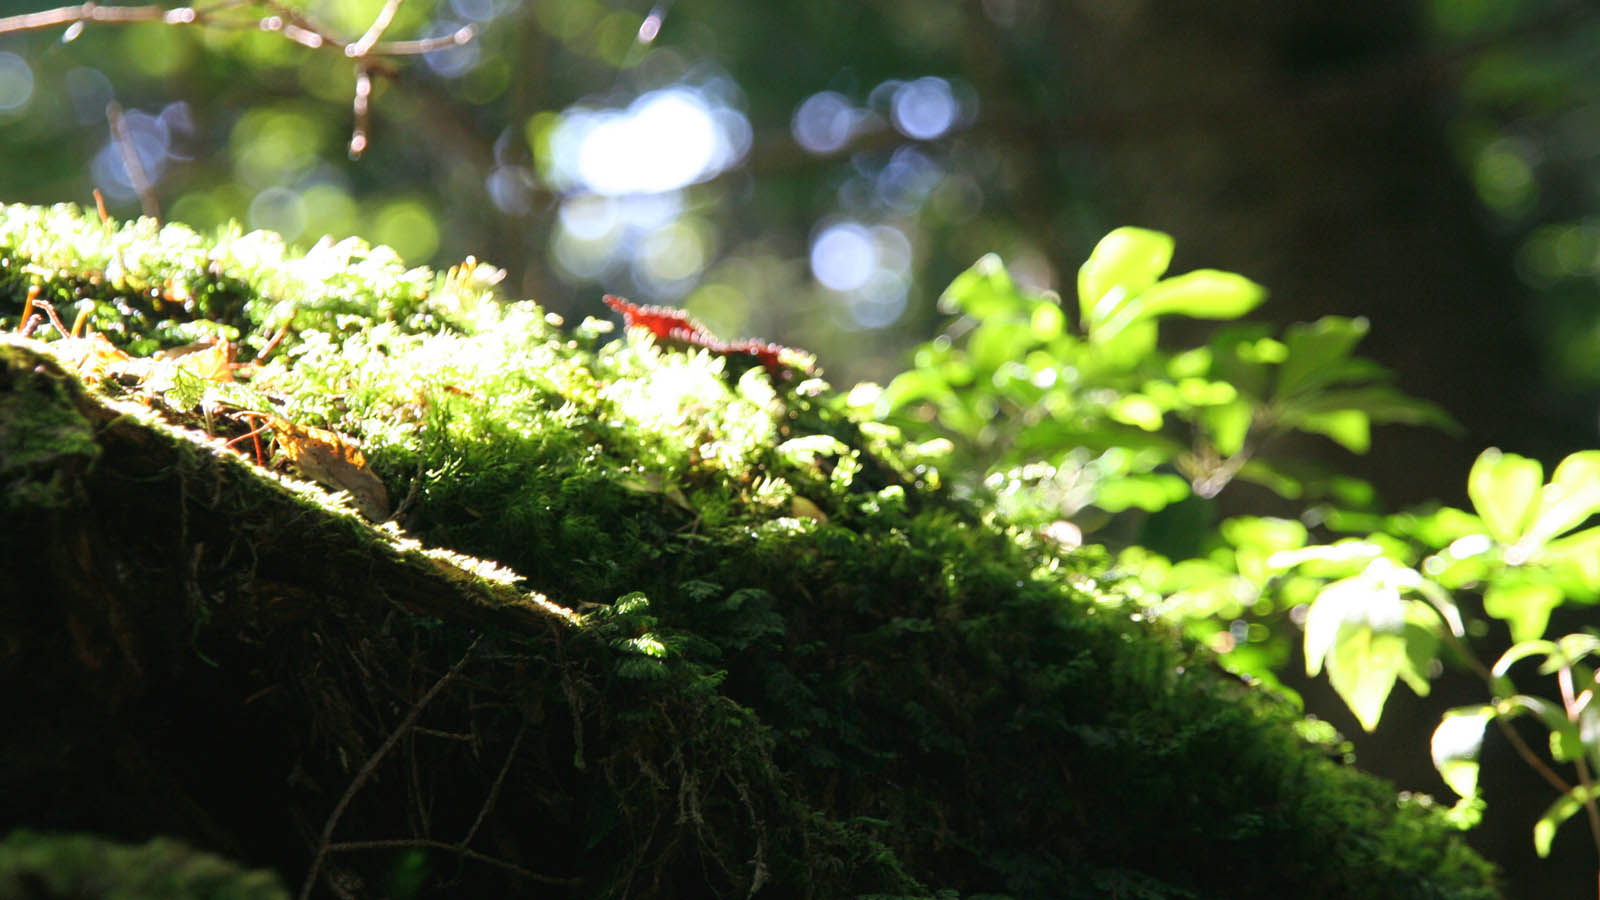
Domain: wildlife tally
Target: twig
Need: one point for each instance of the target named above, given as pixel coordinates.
(369, 51)
(494, 789)
(371, 765)
(1531, 758)
(458, 38)
(462, 851)
(362, 107)
(375, 31)
(130, 160)
(94, 12)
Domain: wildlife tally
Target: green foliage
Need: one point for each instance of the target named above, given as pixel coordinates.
(1090, 425)
(1063, 421)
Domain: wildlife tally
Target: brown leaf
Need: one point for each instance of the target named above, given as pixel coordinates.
(333, 460)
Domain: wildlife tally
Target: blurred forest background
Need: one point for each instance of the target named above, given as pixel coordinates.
(816, 173)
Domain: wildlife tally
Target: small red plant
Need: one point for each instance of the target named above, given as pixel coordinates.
(673, 326)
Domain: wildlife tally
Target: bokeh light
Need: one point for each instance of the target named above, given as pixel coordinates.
(924, 109)
(868, 267)
(16, 82)
(665, 140)
(825, 122)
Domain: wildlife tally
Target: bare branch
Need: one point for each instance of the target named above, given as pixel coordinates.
(371, 765)
(375, 31)
(458, 38)
(130, 160)
(362, 106)
(369, 51)
(93, 12)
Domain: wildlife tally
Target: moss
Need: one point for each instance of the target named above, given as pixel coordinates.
(735, 635)
(83, 867)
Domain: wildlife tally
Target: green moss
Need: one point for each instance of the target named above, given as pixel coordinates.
(36, 434)
(833, 676)
(84, 867)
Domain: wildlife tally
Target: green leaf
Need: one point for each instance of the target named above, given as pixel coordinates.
(1122, 265)
(1047, 320)
(998, 341)
(983, 291)
(1147, 492)
(1313, 349)
(1137, 410)
(1580, 552)
(1125, 348)
(1504, 489)
(1380, 402)
(1571, 497)
(1349, 427)
(1455, 746)
(1524, 606)
(1229, 425)
(1355, 628)
(1265, 534)
(1544, 831)
(1203, 294)
(1520, 651)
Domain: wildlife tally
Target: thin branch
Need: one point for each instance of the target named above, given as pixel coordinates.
(453, 848)
(494, 789)
(362, 108)
(375, 31)
(371, 765)
(1531, 758)
(458, 38)
(369, 51)
(94, 12)
(130, 160)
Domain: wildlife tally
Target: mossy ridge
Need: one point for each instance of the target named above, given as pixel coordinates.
(182, 581)
(922, 668)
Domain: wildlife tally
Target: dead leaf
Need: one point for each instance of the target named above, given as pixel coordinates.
(334, 461)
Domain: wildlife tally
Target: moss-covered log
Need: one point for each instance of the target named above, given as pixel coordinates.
(736, 640)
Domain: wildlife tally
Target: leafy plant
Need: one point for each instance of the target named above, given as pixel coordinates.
(1098, 430)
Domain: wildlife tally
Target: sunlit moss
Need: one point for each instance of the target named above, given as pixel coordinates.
(919, 695)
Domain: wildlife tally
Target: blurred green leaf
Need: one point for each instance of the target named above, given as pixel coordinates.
(1350, 428)
(1136, 410)
(1313, 349)
(1455, 746)
(1544, 831)
(1579, 552)
(1147, 492)
(1524, 606)
(1571, 497)
(983, 291)
(1203, 294)
(1264, 533)
(1355, 628)
(1122, 265)
(1504, 489)
(1379, 402)
(1229, 425)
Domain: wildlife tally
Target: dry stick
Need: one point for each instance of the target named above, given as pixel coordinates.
(371, 765)
(130, 160)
